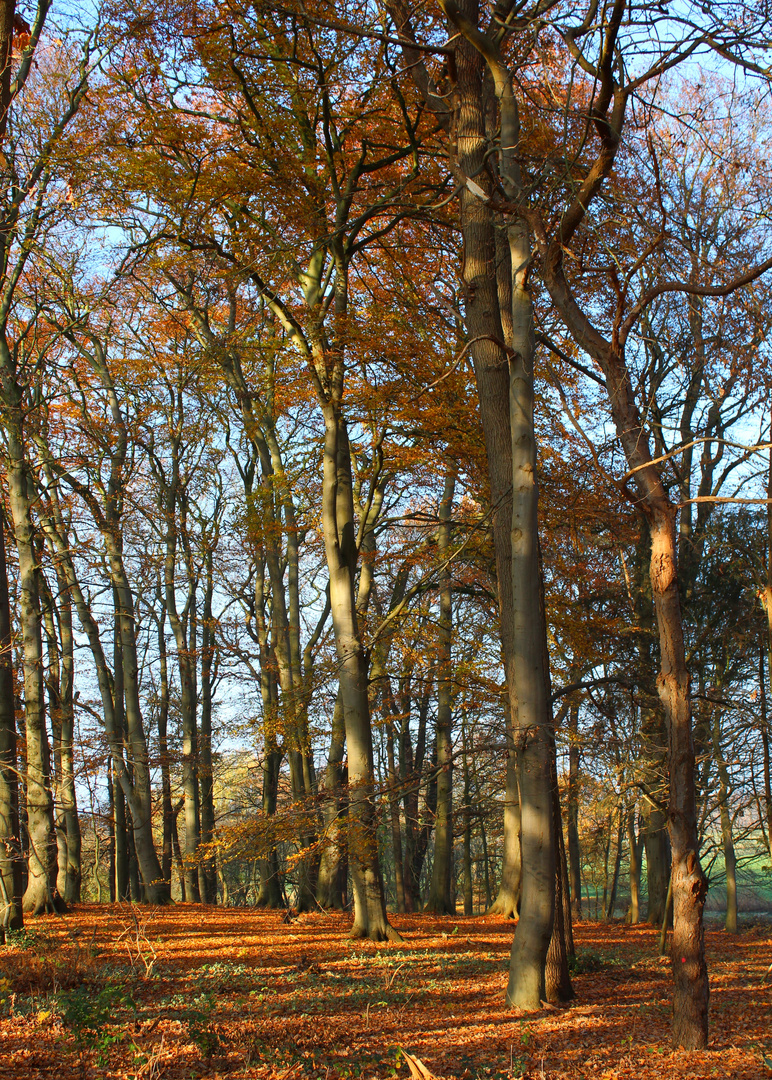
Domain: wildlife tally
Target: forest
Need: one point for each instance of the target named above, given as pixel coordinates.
(385, 536)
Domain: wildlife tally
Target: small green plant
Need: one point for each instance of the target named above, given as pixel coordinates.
(88, 1012)
(584, 963)
(6, 996)
(201, 1025)
(25, 938)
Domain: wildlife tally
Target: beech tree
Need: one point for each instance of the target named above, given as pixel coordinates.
(42, 88)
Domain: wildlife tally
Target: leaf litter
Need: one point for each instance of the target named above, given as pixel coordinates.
(188, 992)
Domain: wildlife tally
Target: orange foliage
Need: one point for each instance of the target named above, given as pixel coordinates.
(236, 993)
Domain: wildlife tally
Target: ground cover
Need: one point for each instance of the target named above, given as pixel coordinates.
(190, 992)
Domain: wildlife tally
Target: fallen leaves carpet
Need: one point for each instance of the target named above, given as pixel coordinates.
(192, 992)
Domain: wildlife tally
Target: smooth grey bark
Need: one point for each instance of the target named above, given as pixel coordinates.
(487, 278)
(330, 886)
(341, 552)
(611, 899)
(486, 270)
(121, 884)
(394, 817)
(439, 899)
(557, 978)
(508, 897)
(534, 715)
(574, 848)
(11, 859)
(167, 812)
(467, 851)
(121, 813)
(57, 616)
(657, 850)
(765, 812)
(413, 768)
(635, 846)
(119, 690)
(69, 884)
(280, 553)
(183, 629)
(24, 181)
(40, 894)
(270, 891)
(767, 603)
(208, 873)
(331, 881)
(530, 707)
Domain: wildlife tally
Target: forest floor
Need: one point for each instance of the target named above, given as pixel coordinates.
(193, 992)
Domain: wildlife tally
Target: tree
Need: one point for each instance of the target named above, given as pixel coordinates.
(11, 916)
(39, 103)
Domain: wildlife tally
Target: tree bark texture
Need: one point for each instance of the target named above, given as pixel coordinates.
(341, 553)
(508, 898)
(440, 898)
(574, 849)
(11, 917)
(330, 889)
(40, 894)
(690, 999)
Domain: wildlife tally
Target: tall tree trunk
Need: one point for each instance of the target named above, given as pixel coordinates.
(767, 599)
(468, 889)
(122, 739)
(69, 882)
(340, 548)
(208, 871)
(329, 890)
(608, 914)
(409, 772)
(270, 891)
(526, 987)
(690, 975)
(182, 625)
(40, 894)
(765, 815)
(120, 860)
(484, 316)
(121, 816)
(657, 863)
(59, 679)
(635, 843)
(574, 850)
(511, 456)
(690, 1001)
(11, 916)
(557, 978)
(396, 829)
(440, 894)
(167, 810)
(508, 898)
(139, 792)
(417, 825)
(111, 828)
(531, 704)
